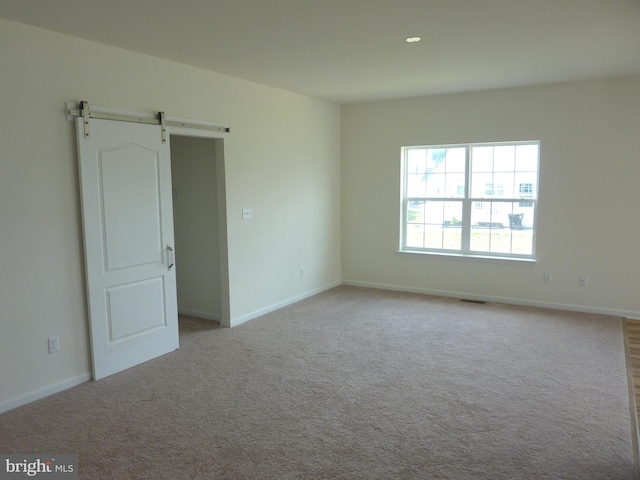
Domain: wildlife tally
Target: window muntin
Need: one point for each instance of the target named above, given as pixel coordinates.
(475, 199)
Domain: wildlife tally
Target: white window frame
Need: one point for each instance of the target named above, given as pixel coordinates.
(468, 203)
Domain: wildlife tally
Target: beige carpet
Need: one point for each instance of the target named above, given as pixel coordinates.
(356, 384)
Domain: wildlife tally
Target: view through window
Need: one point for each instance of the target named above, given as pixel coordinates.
(473, 199)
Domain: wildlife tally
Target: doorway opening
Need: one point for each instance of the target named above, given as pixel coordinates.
(199, 217)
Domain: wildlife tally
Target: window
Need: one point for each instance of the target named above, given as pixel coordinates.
(525, 189)
(470, 199)
(490, 189)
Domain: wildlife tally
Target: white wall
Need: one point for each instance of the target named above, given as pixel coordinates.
(195, 224)
(589, 195)
(282, 159)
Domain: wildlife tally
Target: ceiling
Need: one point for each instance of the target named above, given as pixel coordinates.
(348, 51)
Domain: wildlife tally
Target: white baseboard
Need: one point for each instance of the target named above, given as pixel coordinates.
(44, 392)
(263, 311)
(490, 298)
(198, 314)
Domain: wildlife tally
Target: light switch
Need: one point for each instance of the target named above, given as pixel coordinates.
(247, 213)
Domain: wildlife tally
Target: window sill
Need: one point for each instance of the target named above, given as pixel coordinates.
(489, 258)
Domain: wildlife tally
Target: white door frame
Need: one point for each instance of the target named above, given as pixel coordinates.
(225, 313)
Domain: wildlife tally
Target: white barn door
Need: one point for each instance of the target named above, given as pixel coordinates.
(125, 177)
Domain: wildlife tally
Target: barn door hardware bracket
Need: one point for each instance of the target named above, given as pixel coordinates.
(163, 126)
(84, 108)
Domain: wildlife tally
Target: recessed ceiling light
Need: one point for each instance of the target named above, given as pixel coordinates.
(412, 39)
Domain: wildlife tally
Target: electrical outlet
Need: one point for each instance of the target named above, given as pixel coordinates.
(547, 278)
(54, 345)
(582, 280)
(302, 271)
(247, 213)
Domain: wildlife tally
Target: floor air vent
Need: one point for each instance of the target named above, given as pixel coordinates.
(471, 301)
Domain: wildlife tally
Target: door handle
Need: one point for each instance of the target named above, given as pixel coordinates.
(172, 256)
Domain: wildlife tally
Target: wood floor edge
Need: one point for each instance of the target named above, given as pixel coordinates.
(633, 380)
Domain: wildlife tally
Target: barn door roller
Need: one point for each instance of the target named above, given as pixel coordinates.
(163, 126)
(85, 115)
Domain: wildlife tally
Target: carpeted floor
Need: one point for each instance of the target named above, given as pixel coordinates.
(356, 383)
